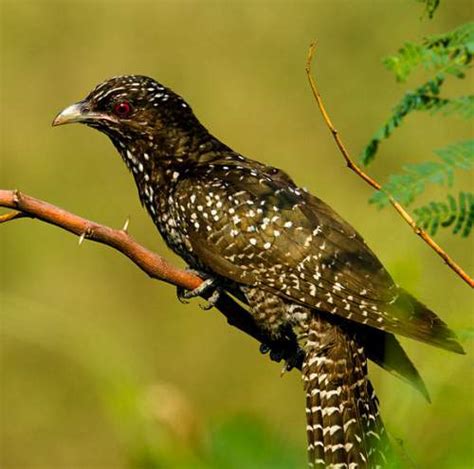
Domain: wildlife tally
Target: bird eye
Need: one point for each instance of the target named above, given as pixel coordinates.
(122, 109)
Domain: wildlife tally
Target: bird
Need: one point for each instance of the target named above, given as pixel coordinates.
(307, 277)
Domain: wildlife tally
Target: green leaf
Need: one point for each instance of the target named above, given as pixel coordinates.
(405, 187)
(430, 6)
(460, 155)
(450, 53)
(424, 98)
(462, 106)
(458, 213)
(444, 54)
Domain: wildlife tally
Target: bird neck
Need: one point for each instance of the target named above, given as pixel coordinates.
(156, 159)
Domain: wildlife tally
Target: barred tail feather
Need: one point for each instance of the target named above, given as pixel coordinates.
(344, 427)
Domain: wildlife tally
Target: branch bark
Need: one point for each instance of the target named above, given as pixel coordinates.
(372, 182)
(149, 262)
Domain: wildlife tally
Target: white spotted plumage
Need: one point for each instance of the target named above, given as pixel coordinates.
(308, 277)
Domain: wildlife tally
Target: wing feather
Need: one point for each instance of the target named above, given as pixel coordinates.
(256, 227)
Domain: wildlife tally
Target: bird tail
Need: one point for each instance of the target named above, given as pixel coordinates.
(344, 427)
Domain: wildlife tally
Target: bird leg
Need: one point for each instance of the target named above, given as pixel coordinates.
(207, 286)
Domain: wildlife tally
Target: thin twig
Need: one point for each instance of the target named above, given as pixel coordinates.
(372, 182)
(151, 263)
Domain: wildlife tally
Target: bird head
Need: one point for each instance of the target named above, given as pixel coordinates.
(135, 112)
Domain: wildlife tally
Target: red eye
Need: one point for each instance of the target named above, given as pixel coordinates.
(122, 109)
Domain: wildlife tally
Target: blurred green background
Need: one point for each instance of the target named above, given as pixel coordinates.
(102, 367)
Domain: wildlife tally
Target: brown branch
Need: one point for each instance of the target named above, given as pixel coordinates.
(372, 182)
(151, 263)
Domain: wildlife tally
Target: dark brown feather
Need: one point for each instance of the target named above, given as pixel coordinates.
(308, 277)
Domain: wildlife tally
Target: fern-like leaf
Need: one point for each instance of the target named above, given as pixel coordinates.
(456, 213)
(424, 98)
(430, 6)
(458, 155)
(462, 106)
(405, 187)
(448, 53)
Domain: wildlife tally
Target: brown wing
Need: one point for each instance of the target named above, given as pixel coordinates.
(257, 228)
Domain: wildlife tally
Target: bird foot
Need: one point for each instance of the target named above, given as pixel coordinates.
(206, 287)
(284, 350)
(293, 361)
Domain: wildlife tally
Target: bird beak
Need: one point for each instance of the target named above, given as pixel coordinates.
(73, 113)
(80, 112)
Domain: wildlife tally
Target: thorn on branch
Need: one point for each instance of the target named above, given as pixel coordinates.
(125, 225)
(82, 237)
(88, 233)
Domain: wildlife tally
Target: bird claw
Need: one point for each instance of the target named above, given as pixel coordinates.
(200, 290)
(212, 300)
(205, 287)
(277, 355)
(180, 293)
(287, 351)
(293, 361)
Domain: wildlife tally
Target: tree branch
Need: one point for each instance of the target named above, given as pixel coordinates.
(151, 263)
(372, 182)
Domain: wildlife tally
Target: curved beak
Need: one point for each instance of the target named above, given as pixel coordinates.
(73, 113)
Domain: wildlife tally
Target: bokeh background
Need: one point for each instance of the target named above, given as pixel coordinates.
(102, 367)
